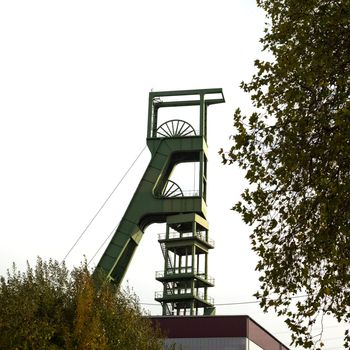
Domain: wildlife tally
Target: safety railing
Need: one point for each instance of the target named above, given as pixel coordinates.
(176, 235)
(184, 271)
(191, 193)
(184, 293)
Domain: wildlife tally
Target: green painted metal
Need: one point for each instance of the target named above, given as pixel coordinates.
(149, 203)
(185, 277)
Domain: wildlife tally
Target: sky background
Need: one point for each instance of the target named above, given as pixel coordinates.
(74, 84)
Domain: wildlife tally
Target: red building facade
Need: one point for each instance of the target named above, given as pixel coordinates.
(215, 333)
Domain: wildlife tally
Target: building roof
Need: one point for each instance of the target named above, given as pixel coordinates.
(218, 327)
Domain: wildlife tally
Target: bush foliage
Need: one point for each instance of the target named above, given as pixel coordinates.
(49, 307)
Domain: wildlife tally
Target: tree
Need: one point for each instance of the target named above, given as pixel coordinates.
(49, 307)
(295, 150)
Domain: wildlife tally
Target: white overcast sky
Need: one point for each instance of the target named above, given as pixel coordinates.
(74, 84)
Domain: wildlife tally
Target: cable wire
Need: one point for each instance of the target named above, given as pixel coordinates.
(102, 206)
(103, 243)
(233, 303)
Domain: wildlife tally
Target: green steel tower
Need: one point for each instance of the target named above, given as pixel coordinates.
(159, 199)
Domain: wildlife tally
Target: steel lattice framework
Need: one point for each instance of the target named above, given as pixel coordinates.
(158, 199)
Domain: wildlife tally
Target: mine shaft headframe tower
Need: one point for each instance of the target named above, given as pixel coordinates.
(158, 199)
(186, 243)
